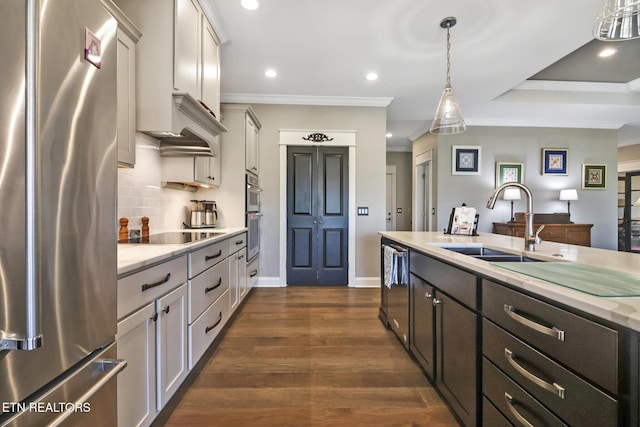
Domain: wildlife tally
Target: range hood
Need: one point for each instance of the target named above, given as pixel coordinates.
(192, 129)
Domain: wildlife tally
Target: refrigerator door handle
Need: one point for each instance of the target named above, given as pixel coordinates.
(110, 368)
(31, 339)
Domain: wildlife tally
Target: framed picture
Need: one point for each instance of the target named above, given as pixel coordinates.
(555, 161)
(508, 172)
(465, 160)
(594, 176)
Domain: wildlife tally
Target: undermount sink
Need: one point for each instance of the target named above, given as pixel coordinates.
(488, 254)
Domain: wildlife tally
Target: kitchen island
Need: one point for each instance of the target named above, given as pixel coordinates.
(532, 340)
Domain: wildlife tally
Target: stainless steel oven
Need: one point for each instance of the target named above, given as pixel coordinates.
(253, 193)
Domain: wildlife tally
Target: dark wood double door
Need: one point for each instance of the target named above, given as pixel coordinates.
(317, 215)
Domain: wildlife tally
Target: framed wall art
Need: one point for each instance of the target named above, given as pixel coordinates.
(465, 160)
(594, 176)
(509, 172)
(555, 161)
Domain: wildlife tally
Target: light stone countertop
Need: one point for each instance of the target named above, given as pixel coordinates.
(623, 311)
(136, 256)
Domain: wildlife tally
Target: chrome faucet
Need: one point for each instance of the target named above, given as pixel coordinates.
(530, 238)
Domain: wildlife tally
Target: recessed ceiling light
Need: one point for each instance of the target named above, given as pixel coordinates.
(250, 4)
(372, 76)
(270, 73)
(607, 52)
(389, 135)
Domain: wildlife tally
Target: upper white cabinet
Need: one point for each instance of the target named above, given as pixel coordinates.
(252, 143)
(128, 36)
(179, 54)
(126, 99)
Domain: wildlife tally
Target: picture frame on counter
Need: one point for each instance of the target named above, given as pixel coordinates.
(465, 160)
(555, 161)
(594, 176)
(509, 172)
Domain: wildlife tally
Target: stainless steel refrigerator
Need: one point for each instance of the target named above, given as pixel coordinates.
(57, 213)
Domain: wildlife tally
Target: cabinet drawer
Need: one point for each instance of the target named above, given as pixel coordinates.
(574, 400)
(206, 257)
(253, 272)
(237, 242)
(491, 417)
(456, 282)
(518, 406)
(207, 327)
(584, 346)
(147, 285)
(205, 288)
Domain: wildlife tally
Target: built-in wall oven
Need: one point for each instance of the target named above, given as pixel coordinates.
(253, 215)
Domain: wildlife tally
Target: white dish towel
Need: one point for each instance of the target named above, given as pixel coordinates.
(390, 267)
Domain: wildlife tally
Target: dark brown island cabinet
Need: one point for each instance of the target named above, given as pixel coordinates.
(502, 357)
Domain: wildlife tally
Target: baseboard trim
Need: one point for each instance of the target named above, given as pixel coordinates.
(360, 282)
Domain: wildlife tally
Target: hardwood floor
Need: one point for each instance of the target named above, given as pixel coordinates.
(307, 356)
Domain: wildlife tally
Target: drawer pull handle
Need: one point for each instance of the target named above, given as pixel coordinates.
(148, 286)
(216, 286)
(209, 328)
(553, 331)
(553, 388)
(210, 257)
(239, 242)
(254, 273)
(515, 413)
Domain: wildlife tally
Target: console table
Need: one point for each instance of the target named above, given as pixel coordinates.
(574, 234)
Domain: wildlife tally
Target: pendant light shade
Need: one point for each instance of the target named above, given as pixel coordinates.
(448, 119)
(618, 20)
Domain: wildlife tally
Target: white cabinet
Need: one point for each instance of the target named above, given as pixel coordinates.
(240, 121)
(237, 270)
(137, 384)
(252, 144)
(171, 337)
(253, 272)
(179, 53)
(151, 337)
(128, 36)
(197, 53)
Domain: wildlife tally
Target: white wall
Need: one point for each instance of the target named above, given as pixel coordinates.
(370, 125)
(597, 207)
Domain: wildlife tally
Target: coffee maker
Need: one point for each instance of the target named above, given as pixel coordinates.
(203, 214)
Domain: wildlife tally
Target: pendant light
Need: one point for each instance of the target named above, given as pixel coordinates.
(618, 20)
(448, 119)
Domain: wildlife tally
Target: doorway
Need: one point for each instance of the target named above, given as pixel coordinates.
(391, 198)
(317, 215)
(424, 210)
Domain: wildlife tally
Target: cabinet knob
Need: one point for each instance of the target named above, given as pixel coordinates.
(166, 310)
(428, 295)
(436, 302)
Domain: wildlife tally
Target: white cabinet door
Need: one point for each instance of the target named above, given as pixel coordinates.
(251, 142)
(137, 383)
(126, 99)
(234, 282)
(187, 47)
(207, 169)
(171, 338)
(210, 71)
(242, 274)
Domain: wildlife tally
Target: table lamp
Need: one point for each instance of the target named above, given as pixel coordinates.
(569, 195)
(511, 194)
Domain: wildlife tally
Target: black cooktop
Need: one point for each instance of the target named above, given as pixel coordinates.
(174, 237)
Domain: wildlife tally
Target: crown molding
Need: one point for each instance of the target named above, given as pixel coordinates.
(336, 101)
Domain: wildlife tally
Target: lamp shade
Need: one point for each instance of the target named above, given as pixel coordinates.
(618, 20)
(448, 119)
(571, 194)
(511, 194)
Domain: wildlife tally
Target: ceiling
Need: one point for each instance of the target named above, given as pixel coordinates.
(512, 63)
